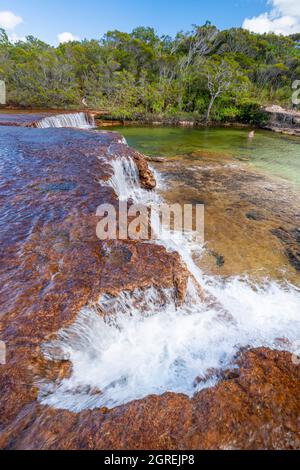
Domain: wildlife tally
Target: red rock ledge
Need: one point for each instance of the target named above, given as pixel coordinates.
(52, 265)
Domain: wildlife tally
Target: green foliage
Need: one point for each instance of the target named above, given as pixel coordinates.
(250, 111)
(202, 74)
(227, 114)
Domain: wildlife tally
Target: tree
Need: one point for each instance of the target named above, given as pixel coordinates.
(4, 41)
(219, 79)
(131, 75)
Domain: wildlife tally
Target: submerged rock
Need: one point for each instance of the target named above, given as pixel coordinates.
(255, 215)
(155, 159)
(291, 241)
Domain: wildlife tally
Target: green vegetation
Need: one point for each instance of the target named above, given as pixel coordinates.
(205, 74)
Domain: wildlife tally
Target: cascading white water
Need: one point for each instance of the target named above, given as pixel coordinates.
(165, 349)
(76, 120)
(126, 182)
(146, 345)
(125, 179)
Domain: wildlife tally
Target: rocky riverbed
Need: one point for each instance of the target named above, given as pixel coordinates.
(53, 266)
(251, 220)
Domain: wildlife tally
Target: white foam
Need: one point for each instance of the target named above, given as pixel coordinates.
(165, 349)
(76, 120)
(126, 182)
(141, 343)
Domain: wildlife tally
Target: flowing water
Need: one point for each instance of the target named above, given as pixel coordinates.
(143, 343)
(250, 189)
(271, 153)
(75, 120)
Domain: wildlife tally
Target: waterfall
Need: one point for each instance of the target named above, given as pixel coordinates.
(142, 343)
(76, 120)
(126, 182)
(125, 179)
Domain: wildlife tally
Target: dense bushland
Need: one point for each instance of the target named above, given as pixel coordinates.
(205, 74)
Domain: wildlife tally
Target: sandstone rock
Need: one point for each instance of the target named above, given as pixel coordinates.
(147, 179)
(257, 408)
(285, 121)
(52, 263)
(155, 159)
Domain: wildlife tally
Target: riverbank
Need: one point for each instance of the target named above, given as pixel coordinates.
(283, 121)
(273, 118)
(156, 121)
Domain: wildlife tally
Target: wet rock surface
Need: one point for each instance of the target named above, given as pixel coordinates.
(251, 220)
(22, 119)
(147, 179)
(258, 408)
(285, 121)
(52, 265)
(33, 118)
(291, 241)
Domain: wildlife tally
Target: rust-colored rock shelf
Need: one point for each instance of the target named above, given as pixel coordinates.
(21, 119)
(52, 265)
(33, 118)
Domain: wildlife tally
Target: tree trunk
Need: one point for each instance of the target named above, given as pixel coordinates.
(210, 108)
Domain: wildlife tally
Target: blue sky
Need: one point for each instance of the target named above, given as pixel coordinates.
(47, 19)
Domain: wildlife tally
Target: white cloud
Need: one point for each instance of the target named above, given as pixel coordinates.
(284, 18)
(67, 37)
(8, 20)
(14, 37)
(287, 7)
